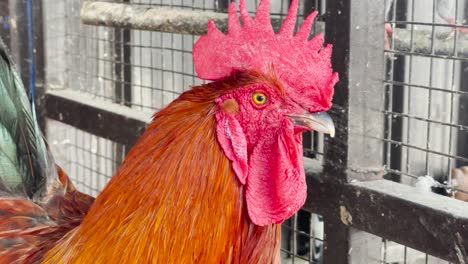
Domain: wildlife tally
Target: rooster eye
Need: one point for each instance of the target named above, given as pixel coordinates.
(259, 98)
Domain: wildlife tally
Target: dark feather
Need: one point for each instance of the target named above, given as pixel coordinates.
(28, 169)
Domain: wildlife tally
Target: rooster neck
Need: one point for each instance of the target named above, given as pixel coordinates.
(175, 199)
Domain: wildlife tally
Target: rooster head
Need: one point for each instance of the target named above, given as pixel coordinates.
(260, 123)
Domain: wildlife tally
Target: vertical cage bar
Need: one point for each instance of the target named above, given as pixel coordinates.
(19, 36)
(462, 140)
(450, 161)
(21, 49)
(400, 69)
(39, 54)
(396, 71)
(123, 74)
(429, 100)
(358, 58)
(5, 25)
(221, 5)
(337, 242)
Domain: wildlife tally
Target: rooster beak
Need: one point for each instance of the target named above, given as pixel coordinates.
(319, 121)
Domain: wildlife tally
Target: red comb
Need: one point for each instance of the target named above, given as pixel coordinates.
(301, 64)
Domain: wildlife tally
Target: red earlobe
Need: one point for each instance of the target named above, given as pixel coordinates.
(232, 139)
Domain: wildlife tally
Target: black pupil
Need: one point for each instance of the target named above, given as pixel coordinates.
(260, 98)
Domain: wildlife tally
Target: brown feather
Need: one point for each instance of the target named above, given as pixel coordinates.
(29, 230)
(175, 199)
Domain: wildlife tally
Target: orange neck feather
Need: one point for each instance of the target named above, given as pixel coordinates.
(175, 199)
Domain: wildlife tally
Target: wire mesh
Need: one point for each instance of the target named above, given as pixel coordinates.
(426, 94)
(393, 253)
(90, 161)
(303, 238)
(426, 91)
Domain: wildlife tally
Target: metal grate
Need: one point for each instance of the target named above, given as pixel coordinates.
(426, 91)
(426, 94)
(79, 57)
(89, 160)
(303, 238)
(393, 253)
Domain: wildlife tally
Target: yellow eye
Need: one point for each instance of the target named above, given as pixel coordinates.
(259, 98)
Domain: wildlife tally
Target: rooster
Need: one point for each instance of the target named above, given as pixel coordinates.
(212, 177)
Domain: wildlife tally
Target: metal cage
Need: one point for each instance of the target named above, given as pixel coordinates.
(103, 67)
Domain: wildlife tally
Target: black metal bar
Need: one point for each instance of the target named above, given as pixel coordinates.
(396, 126)
(123, 73)
(337, 236)
(40, 63)
(396, 69)
(358, 58)
(5, 25)
(428, 222)
(13, 36)
(19, 43)
(311, 5)
(118, 66)
(19, 36)
(123, 82)
(222, 5)
(127, 69)
(100, 122)
(462, 137)
(20, 48)
(339, 34)
(337, 243)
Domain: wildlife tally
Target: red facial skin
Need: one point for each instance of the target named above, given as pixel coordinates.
(265, 148)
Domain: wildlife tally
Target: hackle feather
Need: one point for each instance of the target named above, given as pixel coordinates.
(175, 198)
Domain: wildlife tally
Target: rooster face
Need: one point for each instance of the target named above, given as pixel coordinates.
(259, 128)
